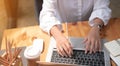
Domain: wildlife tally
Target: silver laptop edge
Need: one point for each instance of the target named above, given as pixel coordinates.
(76, 45)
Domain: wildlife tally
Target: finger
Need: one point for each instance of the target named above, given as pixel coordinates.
(62, 50)
(96, 46)
(92, 46)
(87, 46)
(99, 48)
(84, 41)
(68, 49)
(59, 52)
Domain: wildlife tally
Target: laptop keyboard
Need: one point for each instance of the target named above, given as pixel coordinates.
(80, 58)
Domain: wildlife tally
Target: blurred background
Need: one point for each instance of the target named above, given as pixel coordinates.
(27, 13)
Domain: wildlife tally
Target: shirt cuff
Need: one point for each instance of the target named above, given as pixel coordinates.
(91, 21)
(49, 28)
(48, 25)
(101, 16)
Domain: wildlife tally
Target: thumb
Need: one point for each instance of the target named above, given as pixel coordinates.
(84, 40)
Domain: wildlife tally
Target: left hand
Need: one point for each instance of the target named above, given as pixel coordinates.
(92, 41)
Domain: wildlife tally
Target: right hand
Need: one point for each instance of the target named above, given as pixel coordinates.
(64, 48)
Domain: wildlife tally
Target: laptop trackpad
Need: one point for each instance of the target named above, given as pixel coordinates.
(77, 43)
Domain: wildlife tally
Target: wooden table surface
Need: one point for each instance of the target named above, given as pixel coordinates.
(24, 36)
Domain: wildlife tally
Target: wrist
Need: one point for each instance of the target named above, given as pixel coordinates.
(98, 23)
(55, 32)
(97, 26)
(95, 29)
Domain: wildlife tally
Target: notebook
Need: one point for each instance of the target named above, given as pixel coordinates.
(114, 48)
(79, 57)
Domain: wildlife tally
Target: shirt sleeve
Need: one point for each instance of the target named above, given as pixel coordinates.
(101, 10)
(49, 16)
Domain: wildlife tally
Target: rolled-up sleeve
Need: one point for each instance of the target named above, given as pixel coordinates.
(48, 15)
(101, 10)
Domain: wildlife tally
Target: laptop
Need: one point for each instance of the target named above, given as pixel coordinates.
(79, 57)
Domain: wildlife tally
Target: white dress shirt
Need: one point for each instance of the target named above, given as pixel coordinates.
(54, 12)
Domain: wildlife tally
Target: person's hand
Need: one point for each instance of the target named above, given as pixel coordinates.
(92, 41)
(64, 48)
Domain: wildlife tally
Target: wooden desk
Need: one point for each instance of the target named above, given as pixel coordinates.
(24, 36)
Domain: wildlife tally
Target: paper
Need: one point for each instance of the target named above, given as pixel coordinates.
(116, 59)
(113, 47)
